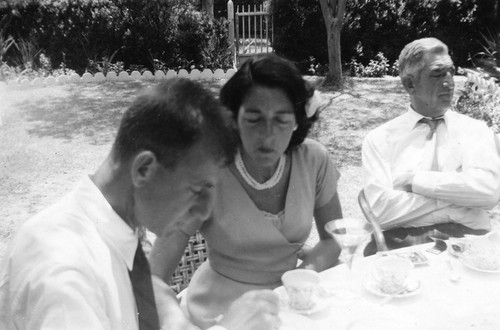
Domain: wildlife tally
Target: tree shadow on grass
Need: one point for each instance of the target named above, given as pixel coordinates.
(86, 111)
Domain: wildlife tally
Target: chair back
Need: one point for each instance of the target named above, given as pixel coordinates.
(377, 231)
(195, 254)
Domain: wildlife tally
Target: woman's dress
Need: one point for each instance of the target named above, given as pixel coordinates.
(249, 249)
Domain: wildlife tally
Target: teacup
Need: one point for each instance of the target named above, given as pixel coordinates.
(391, 273)
(301, 286)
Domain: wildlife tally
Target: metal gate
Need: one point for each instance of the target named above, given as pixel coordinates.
(253, 31)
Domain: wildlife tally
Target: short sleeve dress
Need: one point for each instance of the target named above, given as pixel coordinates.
(249, 249)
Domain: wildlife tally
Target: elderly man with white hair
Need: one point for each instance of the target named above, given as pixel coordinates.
(431, 172)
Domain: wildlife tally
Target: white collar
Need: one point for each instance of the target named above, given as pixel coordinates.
(114, 230)
(413, 117)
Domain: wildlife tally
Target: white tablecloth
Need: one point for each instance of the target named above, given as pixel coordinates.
(471, 303)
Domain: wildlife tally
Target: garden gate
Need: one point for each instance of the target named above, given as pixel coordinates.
(251, 30)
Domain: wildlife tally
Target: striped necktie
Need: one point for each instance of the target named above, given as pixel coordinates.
(433, 125)
(140, 277)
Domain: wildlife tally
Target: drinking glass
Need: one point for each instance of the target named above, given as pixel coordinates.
(349, 233)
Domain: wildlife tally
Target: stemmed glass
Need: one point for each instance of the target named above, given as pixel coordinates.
(349, 233)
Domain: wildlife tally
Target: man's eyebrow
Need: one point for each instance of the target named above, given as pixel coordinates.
(442, 67)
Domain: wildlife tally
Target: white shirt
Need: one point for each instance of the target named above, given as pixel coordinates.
(467, 183)
(68, 268)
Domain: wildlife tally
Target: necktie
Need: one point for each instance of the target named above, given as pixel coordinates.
(433, 125)
(140, 277)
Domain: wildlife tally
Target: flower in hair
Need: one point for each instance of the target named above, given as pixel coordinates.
(315, 104)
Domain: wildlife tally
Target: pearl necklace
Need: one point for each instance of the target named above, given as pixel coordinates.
(240, 166)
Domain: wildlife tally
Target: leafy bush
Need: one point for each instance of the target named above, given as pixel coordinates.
(481, 99)
(216, 49)
(299, 30)
(377, 67)
(394, 70)
(383, 26)
(5, 44)
(312, 67)
(488, 60)
(93, 36)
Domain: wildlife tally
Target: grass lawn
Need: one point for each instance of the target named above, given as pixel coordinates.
(51, 136)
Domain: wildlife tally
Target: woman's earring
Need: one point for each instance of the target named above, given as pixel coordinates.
(295, 128)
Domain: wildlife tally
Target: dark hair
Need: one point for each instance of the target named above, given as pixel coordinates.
(170, 118)
(275, 72)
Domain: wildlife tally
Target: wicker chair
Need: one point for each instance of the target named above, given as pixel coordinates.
(194, 255)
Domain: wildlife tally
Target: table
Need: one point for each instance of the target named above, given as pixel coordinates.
(471, 303)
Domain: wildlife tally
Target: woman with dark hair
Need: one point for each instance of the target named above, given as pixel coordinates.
(265, 200)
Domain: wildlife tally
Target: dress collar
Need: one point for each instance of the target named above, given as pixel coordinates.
(114, 230)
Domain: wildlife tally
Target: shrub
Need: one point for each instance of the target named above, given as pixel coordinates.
(481, 99)
(489, 59)
(377, 67)
(299, 30)
(383, 26)
(394, 70)
(5, 44)
(94, 35)
(216, 49)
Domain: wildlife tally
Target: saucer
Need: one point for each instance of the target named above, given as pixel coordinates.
(413, 287)
(320, 305)
(294, 321)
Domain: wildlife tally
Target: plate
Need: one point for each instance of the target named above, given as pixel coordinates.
(468, 264)
(481, 254)
(414, 287)
(321, 303)
(293, 321)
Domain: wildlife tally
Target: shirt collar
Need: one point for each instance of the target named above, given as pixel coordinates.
(114, 230)
(413, 117)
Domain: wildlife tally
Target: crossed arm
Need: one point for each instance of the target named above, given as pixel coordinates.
(400, 198)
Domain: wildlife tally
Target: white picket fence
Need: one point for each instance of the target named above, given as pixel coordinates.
(194, 74)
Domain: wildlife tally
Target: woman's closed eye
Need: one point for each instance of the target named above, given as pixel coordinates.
(284, 120)
(252, 120)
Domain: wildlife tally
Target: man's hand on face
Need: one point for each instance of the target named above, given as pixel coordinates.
(186, 224)
(403, 181)
(254, 310)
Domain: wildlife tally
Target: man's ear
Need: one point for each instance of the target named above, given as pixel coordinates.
(409, 84)
(143, 169)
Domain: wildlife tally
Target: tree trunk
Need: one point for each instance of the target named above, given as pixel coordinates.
(333, 14)
(208, 7)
